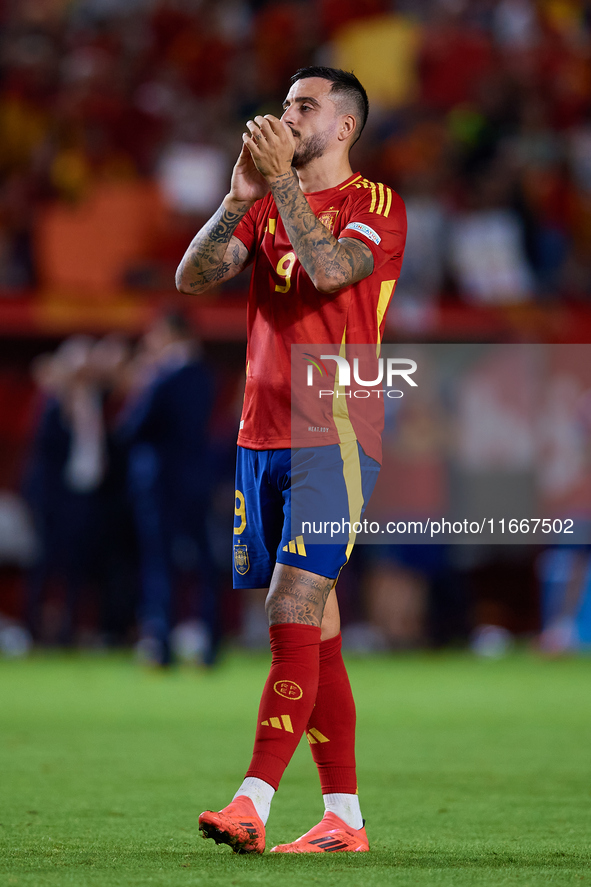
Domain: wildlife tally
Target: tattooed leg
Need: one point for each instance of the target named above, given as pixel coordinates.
(297, 596)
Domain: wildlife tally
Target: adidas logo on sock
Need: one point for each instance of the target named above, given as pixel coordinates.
(280, 724)
(314, 736)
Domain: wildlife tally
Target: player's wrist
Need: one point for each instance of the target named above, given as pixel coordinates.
(281, 177)
(237, 205)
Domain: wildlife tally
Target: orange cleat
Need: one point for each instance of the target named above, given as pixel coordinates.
(330, 835)
(238, 825)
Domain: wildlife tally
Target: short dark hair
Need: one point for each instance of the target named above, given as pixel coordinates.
(344, 83)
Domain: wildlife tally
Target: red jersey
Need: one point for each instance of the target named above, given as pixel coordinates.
(285, 309)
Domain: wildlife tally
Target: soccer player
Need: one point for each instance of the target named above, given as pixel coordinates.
(326, 246)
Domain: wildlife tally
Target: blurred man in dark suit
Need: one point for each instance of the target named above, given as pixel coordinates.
(166, 428)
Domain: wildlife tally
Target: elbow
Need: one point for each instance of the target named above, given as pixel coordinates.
(327, 285)
(183, 285)
(179, 281)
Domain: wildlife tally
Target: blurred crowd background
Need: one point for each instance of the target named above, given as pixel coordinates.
(119, 124)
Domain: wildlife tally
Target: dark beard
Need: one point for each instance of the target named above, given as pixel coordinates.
(310, 149)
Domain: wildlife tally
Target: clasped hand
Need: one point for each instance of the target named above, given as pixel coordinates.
(271, 145)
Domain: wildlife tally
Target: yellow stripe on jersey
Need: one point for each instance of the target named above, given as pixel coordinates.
(385, 202)
(352, 182)
(388, 202)
(352, 475)
(358, 182)
(383, 301)
(381, 194)
(271, 225)
(382, 198)
(373, 199)
(349, 454)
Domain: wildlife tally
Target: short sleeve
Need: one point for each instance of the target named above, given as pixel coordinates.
(378, 219)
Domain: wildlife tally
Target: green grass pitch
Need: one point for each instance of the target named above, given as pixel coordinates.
(471, 772)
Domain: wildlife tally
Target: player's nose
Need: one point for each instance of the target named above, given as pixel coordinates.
(288, 117)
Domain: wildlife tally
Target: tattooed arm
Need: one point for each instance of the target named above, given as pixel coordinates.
(332, 264)
(215, 254)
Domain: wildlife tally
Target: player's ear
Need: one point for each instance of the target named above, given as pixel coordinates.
(347, 128)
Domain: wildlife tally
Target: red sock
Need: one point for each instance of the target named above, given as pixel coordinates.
(287, 700)
(331, 728)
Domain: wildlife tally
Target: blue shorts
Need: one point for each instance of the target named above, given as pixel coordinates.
(290, 504)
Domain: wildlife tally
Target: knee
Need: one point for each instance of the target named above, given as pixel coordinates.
(330, 628)
(331, 619)
(282, 605)
(297, 596)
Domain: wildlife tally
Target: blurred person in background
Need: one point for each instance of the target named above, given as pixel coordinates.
(68, 485)
(564, 571)
(117, 568)
(422, 277)
(487, 244)
(565, 576)
(165, 427)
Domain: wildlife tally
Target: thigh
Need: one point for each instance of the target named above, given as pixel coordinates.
(258, 519)
(328, 490)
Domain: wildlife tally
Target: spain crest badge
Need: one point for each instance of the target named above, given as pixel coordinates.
(328, 218)
(241, 561)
